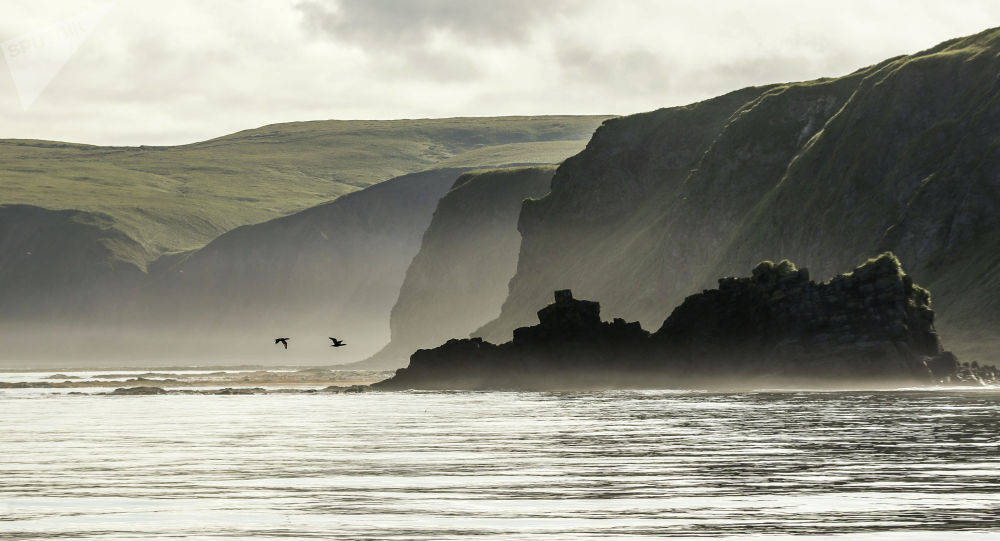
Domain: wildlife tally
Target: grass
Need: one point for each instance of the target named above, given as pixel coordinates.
(171, 199)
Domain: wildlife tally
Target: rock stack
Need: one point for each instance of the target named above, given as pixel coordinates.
(869, 327)
(870, 323)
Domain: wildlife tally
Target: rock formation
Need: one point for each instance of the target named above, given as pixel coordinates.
(776, 327)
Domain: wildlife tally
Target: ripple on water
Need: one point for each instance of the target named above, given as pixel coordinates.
(902, 464)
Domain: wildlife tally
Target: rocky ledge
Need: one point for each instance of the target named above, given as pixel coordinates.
(870, 327)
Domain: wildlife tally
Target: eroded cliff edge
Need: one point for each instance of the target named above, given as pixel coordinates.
(870, 327)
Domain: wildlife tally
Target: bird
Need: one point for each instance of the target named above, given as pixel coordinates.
(336, 343)
(284, 341)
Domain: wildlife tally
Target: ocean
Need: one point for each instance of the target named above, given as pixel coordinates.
(902, 464)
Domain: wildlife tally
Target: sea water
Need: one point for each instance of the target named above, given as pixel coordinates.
(904, 464)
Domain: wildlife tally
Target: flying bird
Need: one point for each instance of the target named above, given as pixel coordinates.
(336, 343)
(284, 341)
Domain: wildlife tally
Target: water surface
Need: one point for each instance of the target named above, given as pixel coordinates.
(435, 465)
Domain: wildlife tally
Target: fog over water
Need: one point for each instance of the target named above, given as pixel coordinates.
(859, 465)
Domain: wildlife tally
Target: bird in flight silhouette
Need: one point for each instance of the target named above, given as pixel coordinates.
(284, 341)
(336, 343)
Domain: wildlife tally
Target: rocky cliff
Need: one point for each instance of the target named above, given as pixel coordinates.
(871, 327)
(901, 156)
(459, 278)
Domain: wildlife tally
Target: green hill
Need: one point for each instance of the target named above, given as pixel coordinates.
(903, 156)
(177, 198)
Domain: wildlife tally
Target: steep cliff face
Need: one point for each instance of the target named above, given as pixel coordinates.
(459, 278)
(902, 155)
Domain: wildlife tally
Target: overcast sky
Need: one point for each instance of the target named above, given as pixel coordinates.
(180, 71)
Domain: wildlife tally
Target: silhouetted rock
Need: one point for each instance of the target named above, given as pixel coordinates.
(568, 346)
(138, 391)
(868, 327)
(871, 323)
(347, 389)
(241, 390)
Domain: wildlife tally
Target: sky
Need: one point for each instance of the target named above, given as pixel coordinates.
(133, 72)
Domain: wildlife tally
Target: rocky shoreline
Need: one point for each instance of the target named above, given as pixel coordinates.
(869, 327)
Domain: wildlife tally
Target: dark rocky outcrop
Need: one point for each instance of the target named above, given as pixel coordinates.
(873, 323)
(776, 327)
(138, 391)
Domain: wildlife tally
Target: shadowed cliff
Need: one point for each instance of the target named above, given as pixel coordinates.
(459, 278)
(902, 155)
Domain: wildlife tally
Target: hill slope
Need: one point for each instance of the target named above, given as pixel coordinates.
(331, 270)
(59, 263)
(178, 198)
(900, 156)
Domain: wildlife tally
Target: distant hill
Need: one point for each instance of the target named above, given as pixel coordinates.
(903, 156)
(331, 270)
(171, 199)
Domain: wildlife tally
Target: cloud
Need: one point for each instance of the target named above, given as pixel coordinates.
(435, 40)
(634, 70)
(188, 70)
(395, 25)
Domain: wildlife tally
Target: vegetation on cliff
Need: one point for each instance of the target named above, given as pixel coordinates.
(900, 156)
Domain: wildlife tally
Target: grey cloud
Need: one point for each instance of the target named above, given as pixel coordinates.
(399, 34)
(388, 24)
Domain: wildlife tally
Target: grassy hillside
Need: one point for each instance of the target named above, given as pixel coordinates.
(178, 198)
(902, 156)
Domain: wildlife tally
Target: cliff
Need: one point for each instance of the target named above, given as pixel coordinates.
(900, 156)
(459, 278)
(125, 273)
(871, 327)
